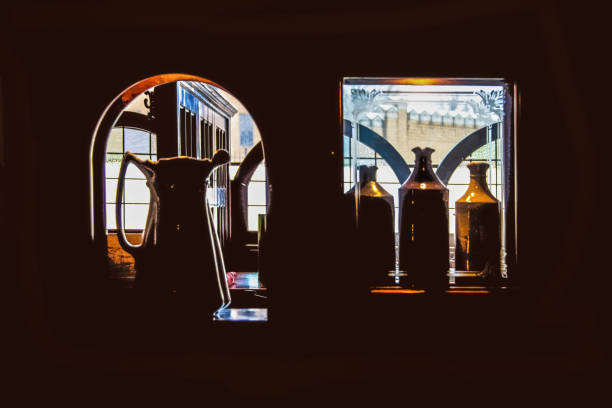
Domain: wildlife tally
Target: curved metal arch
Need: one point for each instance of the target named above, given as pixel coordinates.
(464, 148)
(386, 150)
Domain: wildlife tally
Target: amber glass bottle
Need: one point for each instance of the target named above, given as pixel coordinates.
(477, 228)
(375, 228)
(424, 249)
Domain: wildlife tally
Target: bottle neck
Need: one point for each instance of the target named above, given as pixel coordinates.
(478, 180)
(478, 183)
(478, 176)
(367, 174)
(423, 170)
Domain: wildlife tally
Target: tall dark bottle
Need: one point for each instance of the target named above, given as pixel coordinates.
(424, 246)
(375, 228)
(477, 227)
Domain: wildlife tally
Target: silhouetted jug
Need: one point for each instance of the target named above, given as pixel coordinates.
(180, 254)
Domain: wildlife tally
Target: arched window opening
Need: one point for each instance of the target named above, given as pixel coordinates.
(168, 116)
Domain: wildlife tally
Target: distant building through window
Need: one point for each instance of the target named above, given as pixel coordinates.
(246, 130)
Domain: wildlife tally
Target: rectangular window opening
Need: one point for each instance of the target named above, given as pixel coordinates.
(464, 121)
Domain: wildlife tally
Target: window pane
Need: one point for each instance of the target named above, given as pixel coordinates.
(365, 162)
(153, 143)
(254, 211)
(348, 173)
(487, 151)
(136, 141)
(111, 190)
(246, 130)
(497, 191)
(364, 151)
(346, 143)
(233, 169)
(260, 173)
(385, 173)
(141, 143)
(454, 193)
(115, 141)
(135, 215)
(461, 175)
(136, 191)
(132, 172)
(257, 193)
(113, 163)
(110, 216)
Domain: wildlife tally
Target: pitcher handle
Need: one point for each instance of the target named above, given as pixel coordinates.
(148, 172)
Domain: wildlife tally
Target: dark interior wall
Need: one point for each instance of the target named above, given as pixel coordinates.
(63, 65)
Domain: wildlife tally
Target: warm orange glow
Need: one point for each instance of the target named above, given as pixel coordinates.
(420, 81)
(467, 251)
(409, 291)
(433, 81)
(140, 87)
(467, 291)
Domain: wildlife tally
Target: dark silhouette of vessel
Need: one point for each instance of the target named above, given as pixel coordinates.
(375, 228)
(423, 246)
